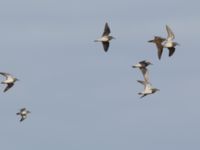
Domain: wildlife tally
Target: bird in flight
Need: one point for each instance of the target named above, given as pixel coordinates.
(148, 88)
(158, 41)
(142, 65)
(10, 80)
(105, 38)
(169, 43)
(165, 42)
(23, 113)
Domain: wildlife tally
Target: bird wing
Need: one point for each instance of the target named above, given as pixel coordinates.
(5, 74)
(170, 34)
(9, 85)
(145, 73)
(145, 83)
(160, 50)
(142, 82)
(105, 46)
(158, 41)
(143, 62)
(22, 109)
(22, 118)
(171, 51)
(106, 30)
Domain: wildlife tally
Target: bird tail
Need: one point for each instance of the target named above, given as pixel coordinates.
(97, 40)
(143, 95)
(142, 82)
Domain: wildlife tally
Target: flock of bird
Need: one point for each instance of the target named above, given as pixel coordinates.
(160, 43)
(148, 88)
(10, 81)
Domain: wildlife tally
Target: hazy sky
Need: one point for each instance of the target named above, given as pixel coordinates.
(82, 98)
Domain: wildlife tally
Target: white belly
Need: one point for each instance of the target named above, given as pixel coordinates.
(104, 39)
(9, 80)
(168, 44)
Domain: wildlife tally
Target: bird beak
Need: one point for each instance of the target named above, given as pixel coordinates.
(150, 41)
(133, 66)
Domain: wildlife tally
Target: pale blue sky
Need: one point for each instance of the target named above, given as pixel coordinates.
(82, 98)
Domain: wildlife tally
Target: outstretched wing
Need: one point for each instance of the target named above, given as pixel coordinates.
(22, 118)
(158, 42)
(5, 74)
(145, 73)
(9, 85)
(105, 46)
(170, 34)
(160, 50)
(142, 82)
(143, 62)
(171, 51)
(22, 109)
(106, 30)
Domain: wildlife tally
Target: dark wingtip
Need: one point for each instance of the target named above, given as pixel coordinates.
(171, 51)
(159, 57)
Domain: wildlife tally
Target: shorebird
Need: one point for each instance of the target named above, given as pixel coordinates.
(142, 65)
(10, 80)
(169, 43)
(158, 41)
(165, 43)
(23, 113)
(105, 38)
(148, 89)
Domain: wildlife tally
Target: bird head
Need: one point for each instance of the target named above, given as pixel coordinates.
(111, 37)
(175, 44)
(15, 79)
(155, 90)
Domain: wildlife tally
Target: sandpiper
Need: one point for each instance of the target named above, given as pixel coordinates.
(142, 65)
(105, 38)
(23, 113)
(148, 89)
(10, 80)
(169, 43)
(158, 41)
